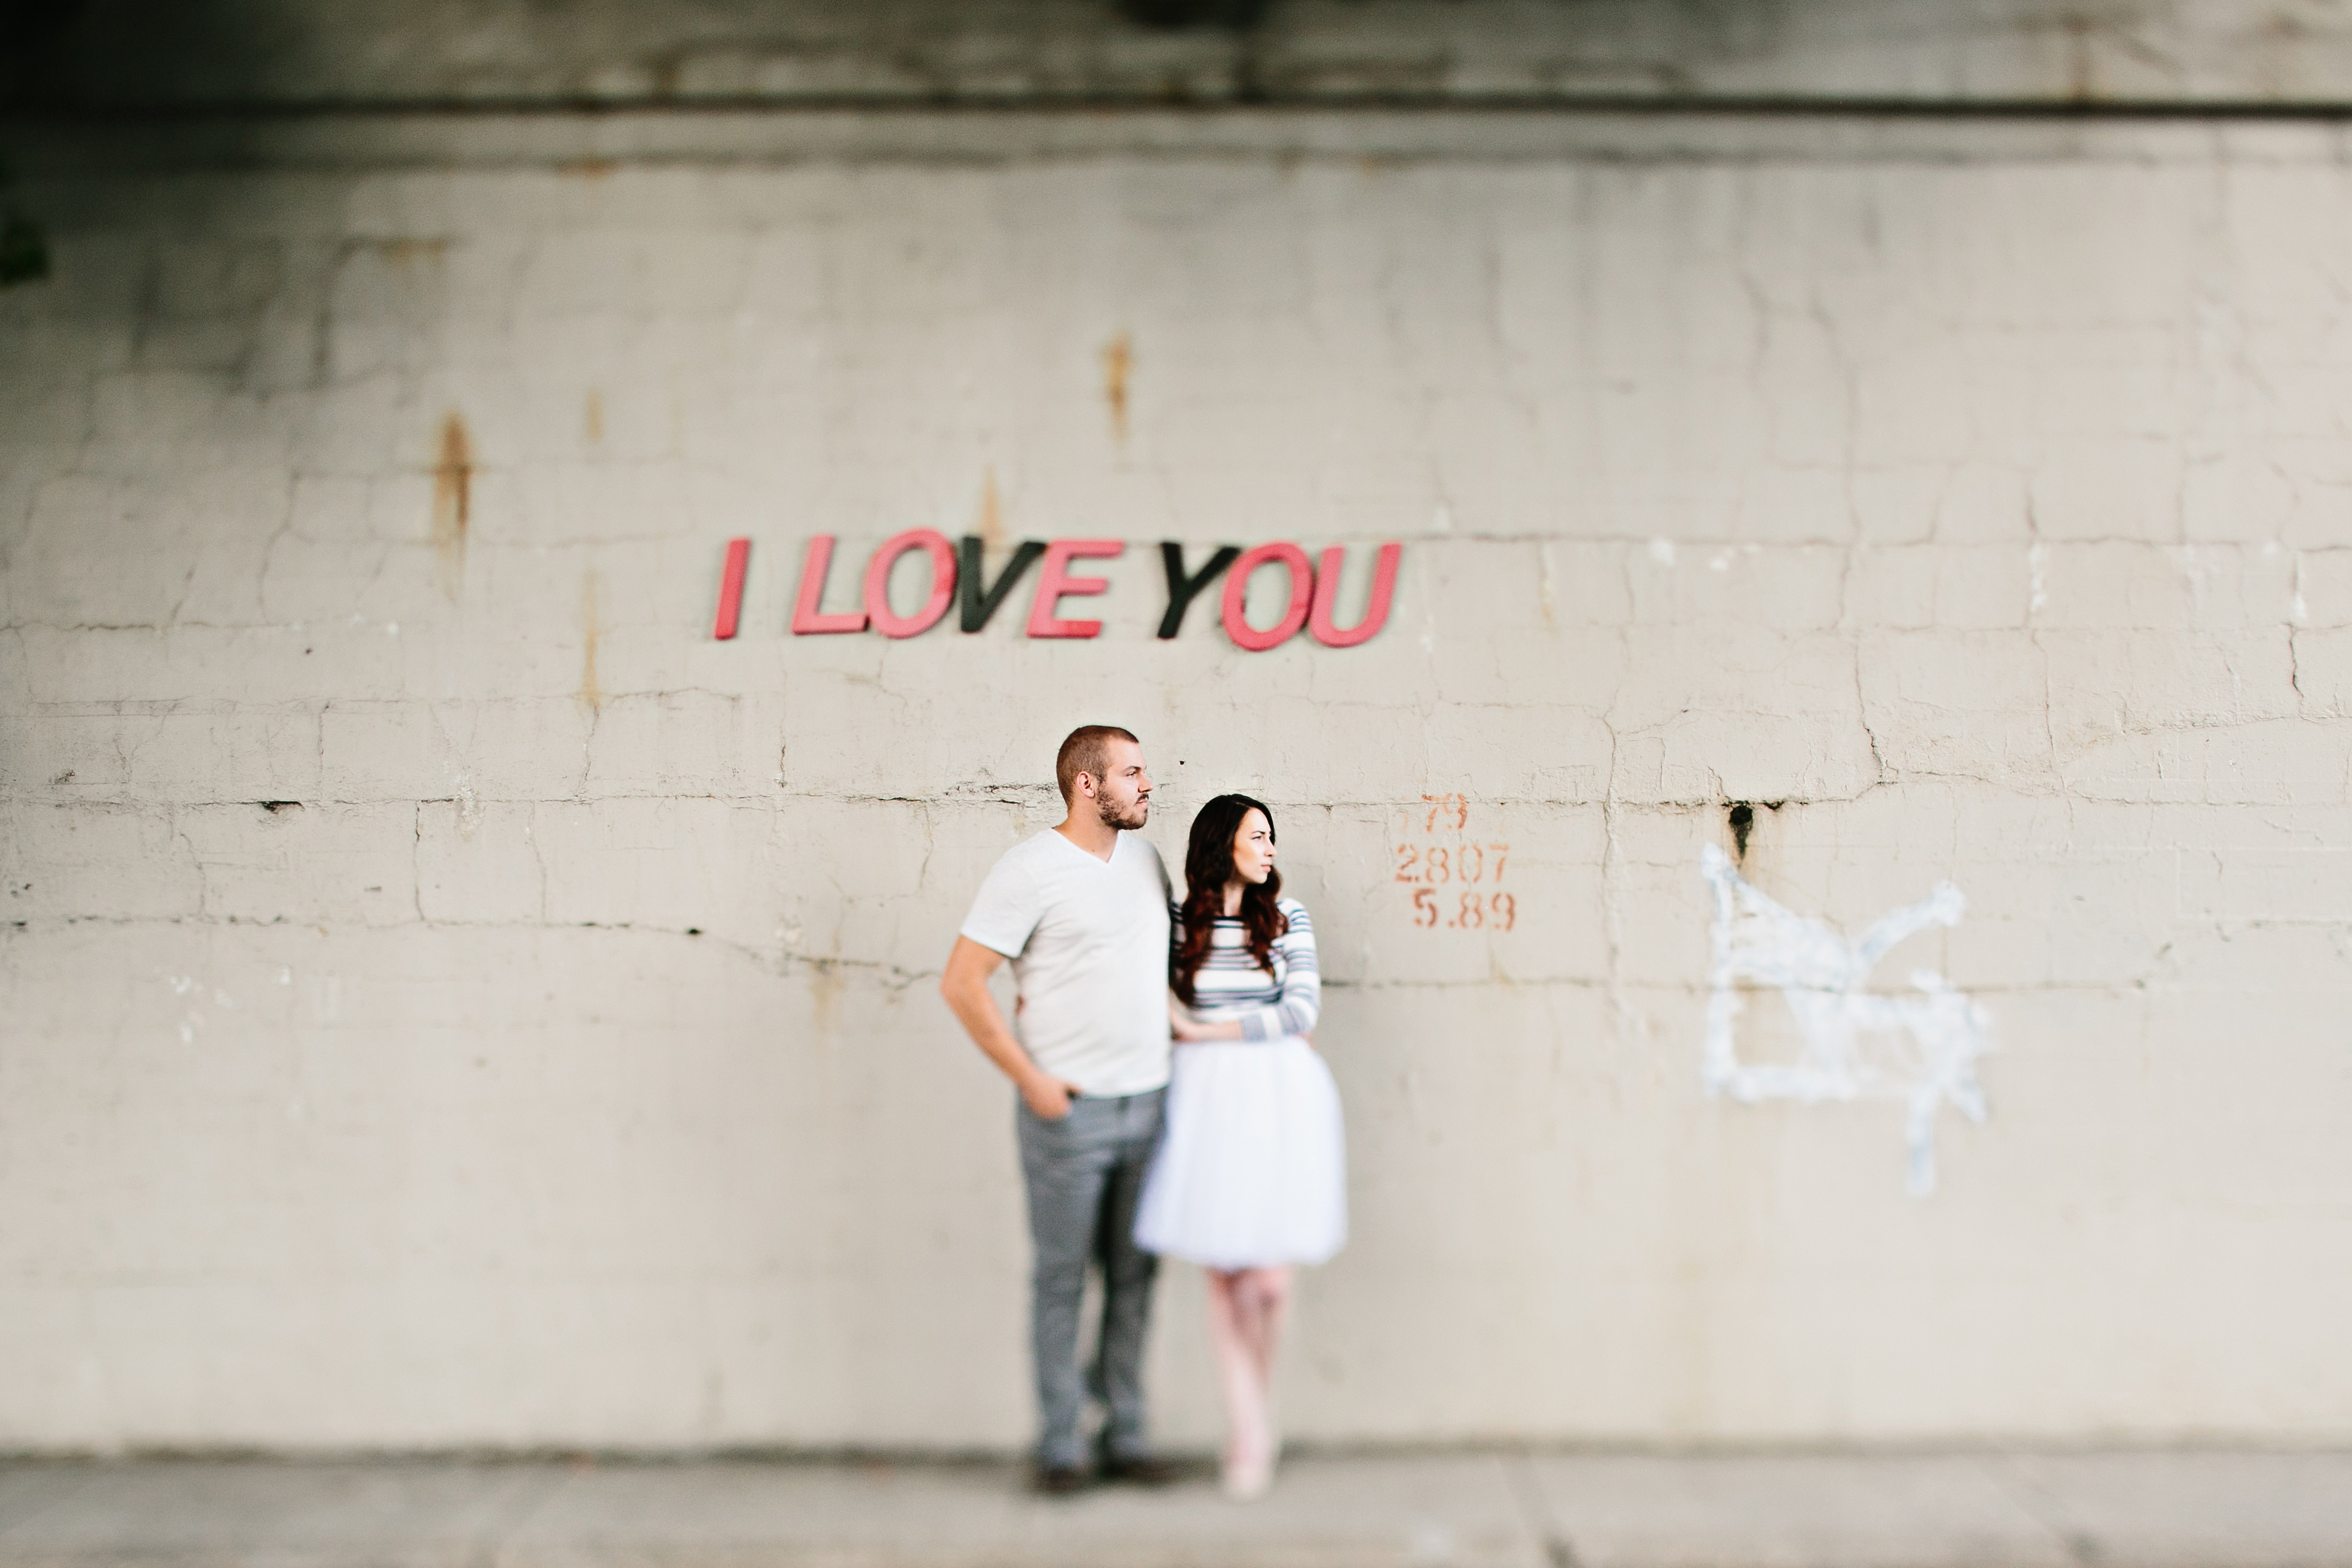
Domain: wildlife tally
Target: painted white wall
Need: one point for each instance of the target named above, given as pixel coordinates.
(1976, 492)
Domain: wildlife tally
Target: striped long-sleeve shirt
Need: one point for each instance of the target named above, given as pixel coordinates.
(1231, 986)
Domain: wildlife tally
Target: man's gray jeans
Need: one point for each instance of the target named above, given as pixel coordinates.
(1085, 1173)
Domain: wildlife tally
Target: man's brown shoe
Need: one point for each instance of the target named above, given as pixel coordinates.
(1140, 1470)
(1059, 1481)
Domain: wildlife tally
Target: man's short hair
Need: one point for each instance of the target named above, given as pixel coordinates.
(1087, 751)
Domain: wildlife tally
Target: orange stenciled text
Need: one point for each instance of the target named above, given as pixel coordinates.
(1454, 879)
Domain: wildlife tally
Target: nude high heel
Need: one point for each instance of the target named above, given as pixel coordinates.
(1248, 1481)
(1249, 1475)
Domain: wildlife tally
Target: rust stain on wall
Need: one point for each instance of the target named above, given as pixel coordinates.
(1119, 361)
(991, 511)
(403, 252)
(589, 692)
(595, 415)
(453, 503)
(824, 997)
(2082, 83)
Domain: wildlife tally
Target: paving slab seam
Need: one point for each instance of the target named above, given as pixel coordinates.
(2079, 1546)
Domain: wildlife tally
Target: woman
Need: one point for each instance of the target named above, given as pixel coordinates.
(1250, 1178)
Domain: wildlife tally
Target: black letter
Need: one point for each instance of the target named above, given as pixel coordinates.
(1182, 589)
(978, 606)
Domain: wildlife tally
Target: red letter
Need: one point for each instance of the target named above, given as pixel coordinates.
(1327, 598)
(1053, 580)
(1237, 576)
(730, 588)
(878, 583)
(805, 616)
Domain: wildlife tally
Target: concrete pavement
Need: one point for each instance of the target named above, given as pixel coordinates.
(1506, 1509)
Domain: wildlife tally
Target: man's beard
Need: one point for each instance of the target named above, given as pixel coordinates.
(1131, 816)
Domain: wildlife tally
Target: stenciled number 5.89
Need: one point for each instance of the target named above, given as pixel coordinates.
(1469, 913)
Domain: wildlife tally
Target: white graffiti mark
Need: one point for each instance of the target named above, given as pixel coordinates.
(192, 1021)
(1858, 1044)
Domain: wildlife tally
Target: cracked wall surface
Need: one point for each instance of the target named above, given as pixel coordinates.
(601, 53)
(451, 1000)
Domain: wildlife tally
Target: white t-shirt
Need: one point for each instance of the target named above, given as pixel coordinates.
(1088, 941)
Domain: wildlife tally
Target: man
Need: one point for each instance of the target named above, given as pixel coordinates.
(1082, 911)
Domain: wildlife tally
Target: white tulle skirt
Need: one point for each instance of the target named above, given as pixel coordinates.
(1253, 1167)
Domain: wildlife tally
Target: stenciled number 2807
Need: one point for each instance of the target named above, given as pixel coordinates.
(1430, 866)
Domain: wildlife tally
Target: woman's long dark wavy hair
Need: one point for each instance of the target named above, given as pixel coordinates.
(1208, 866)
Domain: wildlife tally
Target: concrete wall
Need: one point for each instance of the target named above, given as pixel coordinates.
(451, 1000)
(145, 53)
